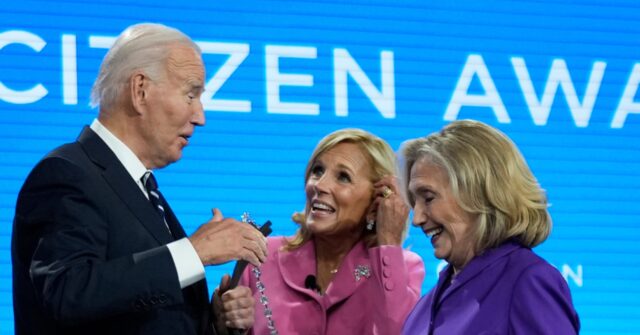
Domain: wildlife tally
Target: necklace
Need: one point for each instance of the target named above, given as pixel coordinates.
(264, 301)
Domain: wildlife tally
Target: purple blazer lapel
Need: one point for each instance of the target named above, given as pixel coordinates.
(438, 295)
(476, 266)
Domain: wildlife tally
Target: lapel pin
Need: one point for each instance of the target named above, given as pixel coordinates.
(362, 271)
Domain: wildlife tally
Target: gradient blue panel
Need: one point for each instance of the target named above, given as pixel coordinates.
(255, 160)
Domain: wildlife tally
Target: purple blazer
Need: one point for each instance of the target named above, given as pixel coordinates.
(506, 290)
(376, 301)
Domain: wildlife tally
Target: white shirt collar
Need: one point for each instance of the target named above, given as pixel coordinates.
(131, 162)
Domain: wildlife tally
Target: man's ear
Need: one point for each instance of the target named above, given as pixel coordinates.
(139, 86)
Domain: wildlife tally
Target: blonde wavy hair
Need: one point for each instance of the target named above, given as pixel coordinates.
(381, 159)
(489, 178)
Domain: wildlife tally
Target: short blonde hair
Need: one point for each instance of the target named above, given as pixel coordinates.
(489, 178)
(381, 159)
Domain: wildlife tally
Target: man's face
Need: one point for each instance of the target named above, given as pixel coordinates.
(174, 107)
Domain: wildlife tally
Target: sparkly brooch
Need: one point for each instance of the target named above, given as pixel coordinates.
(362, 271)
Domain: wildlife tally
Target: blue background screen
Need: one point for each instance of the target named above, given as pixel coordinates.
(559, 77)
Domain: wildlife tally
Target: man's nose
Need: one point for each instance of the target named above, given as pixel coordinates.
(198, 117)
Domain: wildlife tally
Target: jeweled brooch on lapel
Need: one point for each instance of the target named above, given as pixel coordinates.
(362, 271)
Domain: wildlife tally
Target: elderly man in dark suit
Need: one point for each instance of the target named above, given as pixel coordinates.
(96, 249)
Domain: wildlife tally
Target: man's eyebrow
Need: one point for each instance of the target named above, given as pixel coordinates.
(195, 86)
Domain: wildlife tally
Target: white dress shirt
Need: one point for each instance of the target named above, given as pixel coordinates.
(186, 260)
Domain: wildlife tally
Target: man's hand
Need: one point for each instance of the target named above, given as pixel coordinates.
(233, 308)
(222, 240)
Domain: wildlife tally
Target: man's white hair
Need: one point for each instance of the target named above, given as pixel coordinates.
(143, 47)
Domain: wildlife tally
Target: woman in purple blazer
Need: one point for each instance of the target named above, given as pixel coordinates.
(344, 271)
(476, 199)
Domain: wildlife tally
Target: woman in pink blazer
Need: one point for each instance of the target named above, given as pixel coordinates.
(344, 271)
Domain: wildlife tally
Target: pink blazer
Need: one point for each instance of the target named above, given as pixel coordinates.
(377, 301)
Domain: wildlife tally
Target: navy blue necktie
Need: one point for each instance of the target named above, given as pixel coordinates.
(157, 200)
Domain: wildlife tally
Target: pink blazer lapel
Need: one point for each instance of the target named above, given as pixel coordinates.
(346, 282)
(296, 265)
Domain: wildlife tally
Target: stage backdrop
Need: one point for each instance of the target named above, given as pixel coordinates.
(559, 77)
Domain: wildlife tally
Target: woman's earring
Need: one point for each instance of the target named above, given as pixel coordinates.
(370, 223)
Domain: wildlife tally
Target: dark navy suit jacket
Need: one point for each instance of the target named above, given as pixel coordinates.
(89, 252)
(506, 290)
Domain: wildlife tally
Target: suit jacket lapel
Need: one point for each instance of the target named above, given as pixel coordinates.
(477, 265)
(438, 296)
(123, 185)
(296, 265)
(176, 227)
(344, 284)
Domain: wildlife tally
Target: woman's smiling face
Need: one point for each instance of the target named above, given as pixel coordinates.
(437, 212)
(339, 190)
